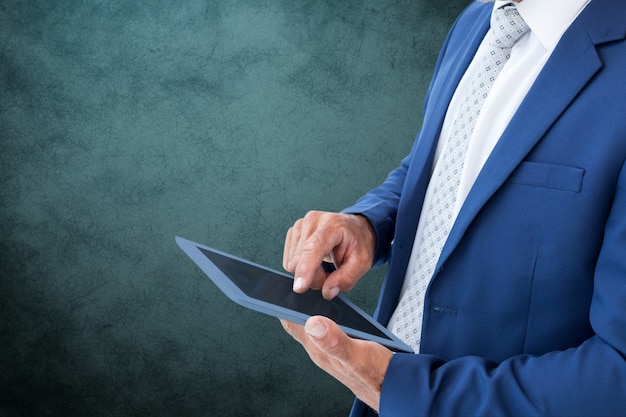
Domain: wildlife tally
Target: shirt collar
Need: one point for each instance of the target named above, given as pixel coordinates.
(548, 20)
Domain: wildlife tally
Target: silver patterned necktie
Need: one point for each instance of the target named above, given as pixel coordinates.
(507, 26)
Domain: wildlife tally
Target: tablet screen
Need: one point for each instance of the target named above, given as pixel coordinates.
(275, 288)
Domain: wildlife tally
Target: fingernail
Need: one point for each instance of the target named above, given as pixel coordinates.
(334, 292)
(298, 283)
(316, 330)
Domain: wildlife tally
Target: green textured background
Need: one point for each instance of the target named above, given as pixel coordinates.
(124, 124)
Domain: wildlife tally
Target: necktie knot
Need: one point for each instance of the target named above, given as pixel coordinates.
(507, 26)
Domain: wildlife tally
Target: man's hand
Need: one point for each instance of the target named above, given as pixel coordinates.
(358, 364)
(350, 237)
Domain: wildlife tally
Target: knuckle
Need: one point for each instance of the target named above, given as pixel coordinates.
(297, 224)
(333, 347)
(311, 215)
(311, 244)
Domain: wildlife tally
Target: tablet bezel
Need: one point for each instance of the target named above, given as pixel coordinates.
(232, 291)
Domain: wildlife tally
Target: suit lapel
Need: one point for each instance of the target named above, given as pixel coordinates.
(573, 63)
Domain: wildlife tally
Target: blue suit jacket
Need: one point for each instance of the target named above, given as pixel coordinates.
(526, 313)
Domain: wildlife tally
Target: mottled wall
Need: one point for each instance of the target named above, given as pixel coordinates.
(126, 123)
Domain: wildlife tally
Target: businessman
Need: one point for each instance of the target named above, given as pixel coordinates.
(504, 228)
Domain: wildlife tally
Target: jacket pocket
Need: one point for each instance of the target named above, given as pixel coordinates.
(558, 177)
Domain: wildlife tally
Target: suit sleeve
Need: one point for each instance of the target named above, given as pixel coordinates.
(586, 380)
(380, 207)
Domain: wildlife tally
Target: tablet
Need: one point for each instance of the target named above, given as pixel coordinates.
(267, 291)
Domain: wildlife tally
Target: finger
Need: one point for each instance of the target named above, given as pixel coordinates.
(308, 272)
(321, 332)
(297, 236)
(339, 281)
(351, 267)
(328, 337)
(298, 332)
(294, 241)
(292, 244)
(288, 248)
(294, 330)
(310, 344)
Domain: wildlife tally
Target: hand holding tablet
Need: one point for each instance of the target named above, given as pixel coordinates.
(271, 292)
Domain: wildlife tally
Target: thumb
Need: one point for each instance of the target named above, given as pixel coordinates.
(328, 337)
